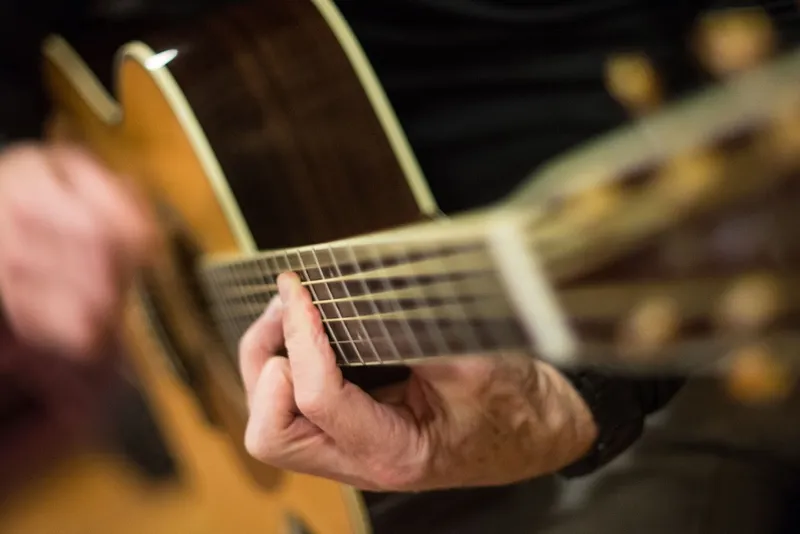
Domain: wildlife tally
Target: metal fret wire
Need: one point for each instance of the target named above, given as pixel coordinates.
(335, 307)
(364, 334)
(396, 304)
(223, 318)
(430, 325)
(268, 275)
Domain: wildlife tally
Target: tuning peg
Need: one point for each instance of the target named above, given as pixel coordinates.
(690, 176)
(758, 377)
(633, 82)
(650, 326)
(751, 303)
(593, 204)
(782, 138)
(733, 40)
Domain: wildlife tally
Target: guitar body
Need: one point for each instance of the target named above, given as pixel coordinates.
(242, 123)
(262, 129)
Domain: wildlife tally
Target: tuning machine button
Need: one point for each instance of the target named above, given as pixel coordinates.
(750, 304)
(757, 376)
(652, 324)
(633, 82)
(730, 41)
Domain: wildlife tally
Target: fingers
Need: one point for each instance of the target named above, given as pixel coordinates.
(262, 340)
(67, 235)
(276, 432)
(305, 417)
(313, 361)
(339, 408)
(278, 436)
(272, 407)
(109, 198)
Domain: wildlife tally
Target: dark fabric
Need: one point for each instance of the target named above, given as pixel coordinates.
(487, 90)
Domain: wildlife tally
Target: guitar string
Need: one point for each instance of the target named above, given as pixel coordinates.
(556, 244)
(612, 302)
(429, 324)
(333, 257)
(335, 307)
(405, 325)
(383, 327)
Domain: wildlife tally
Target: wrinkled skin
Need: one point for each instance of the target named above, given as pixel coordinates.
(72, 237)
(475, 421)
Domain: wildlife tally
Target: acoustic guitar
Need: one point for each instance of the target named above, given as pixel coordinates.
(266, 143)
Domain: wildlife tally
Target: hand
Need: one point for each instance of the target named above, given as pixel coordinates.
(474, 421)
(71, 238)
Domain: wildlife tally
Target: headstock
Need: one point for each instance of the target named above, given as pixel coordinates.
(676, 241)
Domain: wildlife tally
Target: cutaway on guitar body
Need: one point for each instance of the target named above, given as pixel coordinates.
(660, 248)
(240, 123)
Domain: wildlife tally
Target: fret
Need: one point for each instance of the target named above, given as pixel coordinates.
(431, 324)
(374, 310)
(272, 269)
(219, 313)
(258, 305)
(241, 321)
(503, 334)
(395, 303)
(330, 330)
(270, 278)
(323, 287)
(466, 333)
(388, 301)
(363, 335)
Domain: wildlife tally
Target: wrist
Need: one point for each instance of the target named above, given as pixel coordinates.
(616, 407)
(568, 415)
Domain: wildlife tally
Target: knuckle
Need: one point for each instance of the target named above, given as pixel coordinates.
(248, 342)
(393, 476)
(255, 445)
(260, 444)
(310, 402)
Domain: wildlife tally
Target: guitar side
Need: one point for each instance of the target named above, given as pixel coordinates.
(222, 121)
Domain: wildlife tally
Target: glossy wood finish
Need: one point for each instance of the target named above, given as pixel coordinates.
(301, 146)
(306, 160)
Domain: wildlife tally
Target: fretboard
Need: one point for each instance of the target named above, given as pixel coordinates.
(381, 301)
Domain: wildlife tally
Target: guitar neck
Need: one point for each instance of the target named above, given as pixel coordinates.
(388, 298)
(443, 288)
(638, 255)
